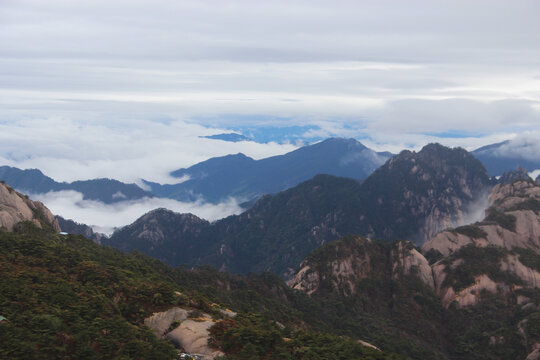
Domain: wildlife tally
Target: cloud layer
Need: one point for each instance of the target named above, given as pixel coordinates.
(124, 88)
(105, 217)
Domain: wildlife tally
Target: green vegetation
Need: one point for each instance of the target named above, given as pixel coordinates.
(506, 221)
(472, 231)
(529, 204)
(474, 261)
(528, 258)
(66, 297)
(486, 331)
(433, 255)
(533, 326)
(256, 337)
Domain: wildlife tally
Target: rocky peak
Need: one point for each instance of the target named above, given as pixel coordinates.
(406, 260)
(338, 265)
(424, 192)
(341, 264)
(509, 177)
(500, 253)
(16, 207)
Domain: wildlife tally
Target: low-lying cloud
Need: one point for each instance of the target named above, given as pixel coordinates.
(69, 149)
(105, 218)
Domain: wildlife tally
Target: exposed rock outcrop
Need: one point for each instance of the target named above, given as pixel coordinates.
(193, 336)
(406, 260)
(496, 255)
(162, 321)
(513, 221)
(508, 177)
(535, 354)
(510, 230)
(16, 207)
(189, 334)
(341, 264)
(424, 192)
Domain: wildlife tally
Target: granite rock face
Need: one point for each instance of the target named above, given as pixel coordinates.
(16, 207)
(496, 252)
(189, 334)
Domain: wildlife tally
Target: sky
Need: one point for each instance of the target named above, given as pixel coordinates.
(124, 89)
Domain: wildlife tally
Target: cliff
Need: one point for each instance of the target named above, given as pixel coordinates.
(16, 208)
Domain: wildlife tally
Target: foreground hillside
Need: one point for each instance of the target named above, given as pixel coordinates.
(412, 196)
(65, 297)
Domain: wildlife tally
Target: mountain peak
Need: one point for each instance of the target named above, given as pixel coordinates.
(339, 141)
(437, 183)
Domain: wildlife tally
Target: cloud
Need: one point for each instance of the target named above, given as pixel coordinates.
(433, 116)
(124, 89)
(127, 150)
(526, 146)
(105, 218)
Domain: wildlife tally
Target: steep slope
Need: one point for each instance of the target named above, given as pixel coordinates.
(244, 178)
(423, 192)
(501, 252)
(275, 234)
(280, 230)
(380, 288)
(508, 155)
(17, 208)
(106, 190)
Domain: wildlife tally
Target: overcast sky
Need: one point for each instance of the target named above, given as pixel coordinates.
(123, 89)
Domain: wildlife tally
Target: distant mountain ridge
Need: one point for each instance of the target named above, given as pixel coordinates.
(231, 137)
(505, 156)
(244, 178)
(105, 190)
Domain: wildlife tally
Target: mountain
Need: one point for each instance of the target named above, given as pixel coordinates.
(105, 190)
(507, 156)
(474, 289)
(423, 192)
(509, 236)
(471, 292)
(232, 137)
(244, 178)
(281, 229)
(16, 208)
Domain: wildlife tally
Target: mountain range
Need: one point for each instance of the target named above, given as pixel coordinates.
(412, 196)
(244, 178)
(507, 156)
(471, 292)
(104, 190)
